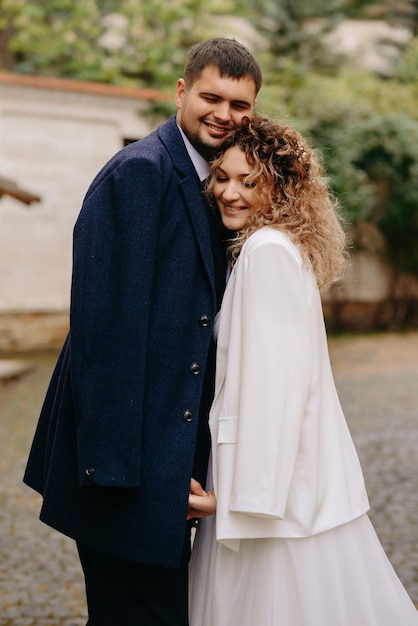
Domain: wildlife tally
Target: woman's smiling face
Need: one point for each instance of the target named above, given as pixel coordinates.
(234, 192)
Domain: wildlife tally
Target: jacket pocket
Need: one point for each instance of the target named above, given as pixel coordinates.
(227, 429)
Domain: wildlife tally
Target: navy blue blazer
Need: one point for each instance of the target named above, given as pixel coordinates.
(114, 448)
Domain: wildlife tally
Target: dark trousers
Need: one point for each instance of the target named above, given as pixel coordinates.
(124, 593)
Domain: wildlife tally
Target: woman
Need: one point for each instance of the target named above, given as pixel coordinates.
(291, 543)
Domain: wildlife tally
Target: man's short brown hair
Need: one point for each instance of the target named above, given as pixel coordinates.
(231, 58)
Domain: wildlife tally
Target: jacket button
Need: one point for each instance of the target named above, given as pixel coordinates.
(188, 416)
(90, 471)
(204, 321)
(195, 368)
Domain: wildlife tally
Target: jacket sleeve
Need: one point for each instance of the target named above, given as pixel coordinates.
(115, 241)
(274, 378)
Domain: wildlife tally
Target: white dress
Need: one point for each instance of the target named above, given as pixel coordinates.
(340, 576)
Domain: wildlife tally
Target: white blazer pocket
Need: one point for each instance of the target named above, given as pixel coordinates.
(227, 429)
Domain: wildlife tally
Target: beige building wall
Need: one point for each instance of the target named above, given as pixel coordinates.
(55, 135)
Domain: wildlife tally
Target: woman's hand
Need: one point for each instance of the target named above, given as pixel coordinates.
(201, 503)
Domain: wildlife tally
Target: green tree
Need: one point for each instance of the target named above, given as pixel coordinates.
(101, 40)
(400, 13)
(56, 37)
(295, 29)
(359, 9)
(154, 38)
(407, 68)
(7, 57)
(403, 13)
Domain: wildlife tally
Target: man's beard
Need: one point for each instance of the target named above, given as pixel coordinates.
(208, 152)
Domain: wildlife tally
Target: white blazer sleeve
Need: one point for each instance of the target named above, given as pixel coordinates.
(275, 373)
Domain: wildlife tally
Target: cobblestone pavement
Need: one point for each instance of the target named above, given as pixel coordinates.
(377, 378)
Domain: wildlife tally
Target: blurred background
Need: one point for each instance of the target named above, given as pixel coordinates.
(80, 80)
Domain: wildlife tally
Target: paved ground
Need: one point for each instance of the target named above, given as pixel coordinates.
(377, 377)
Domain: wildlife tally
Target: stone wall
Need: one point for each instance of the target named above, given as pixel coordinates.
(32, 332)
(373, 296)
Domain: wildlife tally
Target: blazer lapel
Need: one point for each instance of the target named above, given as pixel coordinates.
(203, 223)
(207, 235)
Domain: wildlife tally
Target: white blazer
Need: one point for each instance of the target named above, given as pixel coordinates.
(284, 463)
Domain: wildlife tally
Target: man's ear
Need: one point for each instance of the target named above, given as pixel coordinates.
(180, 91)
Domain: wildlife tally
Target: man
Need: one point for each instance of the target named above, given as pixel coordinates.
(123, 429)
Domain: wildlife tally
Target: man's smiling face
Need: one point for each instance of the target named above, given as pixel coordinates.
(212, 107)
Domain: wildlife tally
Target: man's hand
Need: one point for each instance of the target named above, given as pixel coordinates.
(201, 503)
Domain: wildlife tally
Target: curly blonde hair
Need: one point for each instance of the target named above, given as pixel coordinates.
(289, 178)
